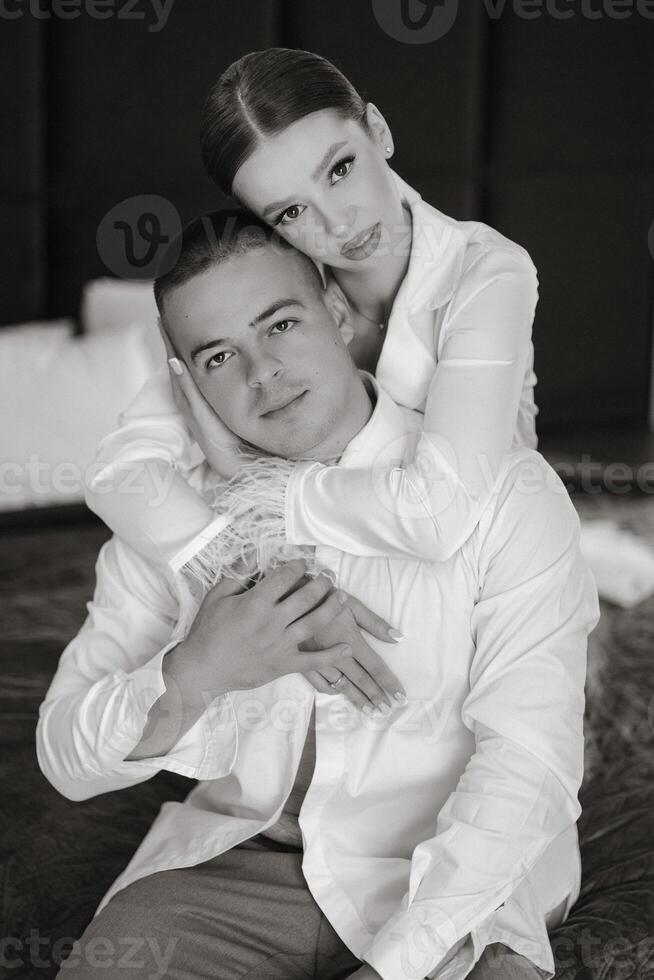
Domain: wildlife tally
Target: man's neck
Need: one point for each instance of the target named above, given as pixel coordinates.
(360, 407)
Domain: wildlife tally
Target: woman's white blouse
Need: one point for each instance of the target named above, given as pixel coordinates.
(428, 834)
(458, 348)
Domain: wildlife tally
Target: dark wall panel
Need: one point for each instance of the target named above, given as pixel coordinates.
(592, 334)
(571, 96)
(432, 95)
(124, 110)
(570, 176)
(22, 176)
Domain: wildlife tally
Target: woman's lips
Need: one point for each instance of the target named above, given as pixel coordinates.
(363, 245)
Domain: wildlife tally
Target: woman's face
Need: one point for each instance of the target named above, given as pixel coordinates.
(325, 185)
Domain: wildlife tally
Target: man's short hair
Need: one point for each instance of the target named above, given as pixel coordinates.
(213, 238)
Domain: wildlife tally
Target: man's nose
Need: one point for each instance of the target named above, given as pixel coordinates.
(264, 369)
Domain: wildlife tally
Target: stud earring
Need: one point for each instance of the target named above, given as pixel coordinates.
(388, 149)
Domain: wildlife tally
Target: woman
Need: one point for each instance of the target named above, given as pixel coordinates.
(442, 313)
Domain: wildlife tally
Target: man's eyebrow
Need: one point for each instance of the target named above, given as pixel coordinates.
(279, 304)
(273, 308)
(280, 205)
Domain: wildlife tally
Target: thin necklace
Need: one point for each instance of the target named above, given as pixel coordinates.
(366, 317)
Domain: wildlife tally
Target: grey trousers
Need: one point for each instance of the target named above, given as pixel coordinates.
(244, 915)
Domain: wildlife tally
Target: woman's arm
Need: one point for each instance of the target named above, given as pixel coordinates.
(428, 508)
(138, 486)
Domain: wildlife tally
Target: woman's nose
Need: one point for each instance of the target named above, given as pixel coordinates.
(343, 222)
(263, 370)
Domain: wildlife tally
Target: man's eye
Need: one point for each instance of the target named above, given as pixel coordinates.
(216, 360)
(290, 214)
(341, 169)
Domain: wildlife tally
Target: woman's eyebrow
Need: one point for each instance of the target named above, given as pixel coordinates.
(324, 163)
(334, 148)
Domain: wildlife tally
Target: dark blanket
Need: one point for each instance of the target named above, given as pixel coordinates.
(58, 858)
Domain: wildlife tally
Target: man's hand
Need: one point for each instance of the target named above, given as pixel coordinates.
(242, 641)
(286, 624)
(365, 972)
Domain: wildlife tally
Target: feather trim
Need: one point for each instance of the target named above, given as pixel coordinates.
(254, 540)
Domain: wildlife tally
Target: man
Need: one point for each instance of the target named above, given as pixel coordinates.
(436, 840)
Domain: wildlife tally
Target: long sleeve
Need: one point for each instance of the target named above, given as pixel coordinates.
(138, 483)
(536, 606)
(108, 678)
(428, 508)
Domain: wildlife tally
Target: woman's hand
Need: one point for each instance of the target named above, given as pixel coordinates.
(366, 677)
(218, 443)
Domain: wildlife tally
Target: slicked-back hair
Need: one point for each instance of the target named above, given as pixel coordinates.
(260, 95)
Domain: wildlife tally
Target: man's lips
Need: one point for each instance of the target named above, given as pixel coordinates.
(282, 403)
(358, 240)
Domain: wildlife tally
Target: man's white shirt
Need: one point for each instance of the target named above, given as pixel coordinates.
(428, 834)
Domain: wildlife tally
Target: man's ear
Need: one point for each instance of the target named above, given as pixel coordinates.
(337, 304)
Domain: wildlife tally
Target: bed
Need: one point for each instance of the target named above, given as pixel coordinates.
(59, 857)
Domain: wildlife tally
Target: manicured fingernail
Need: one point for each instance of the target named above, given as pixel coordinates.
(395, 634)
(175, 365)
(368, 709)
(402, 698)
(342, 597)
(384, 708)
(346, 650)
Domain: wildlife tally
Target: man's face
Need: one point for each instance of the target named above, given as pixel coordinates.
(263, 343)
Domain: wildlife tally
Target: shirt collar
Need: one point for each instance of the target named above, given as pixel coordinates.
(383, 439)
(437, 251)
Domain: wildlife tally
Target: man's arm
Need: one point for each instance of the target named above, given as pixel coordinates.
(536, 606)
(108, 679)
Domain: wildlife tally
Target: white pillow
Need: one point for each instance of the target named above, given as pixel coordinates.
(59, 396)
(111, 304)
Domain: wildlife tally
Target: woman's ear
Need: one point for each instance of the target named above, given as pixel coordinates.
(380, 130)
(337, 304)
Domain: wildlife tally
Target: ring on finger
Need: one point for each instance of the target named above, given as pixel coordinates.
(337, 681)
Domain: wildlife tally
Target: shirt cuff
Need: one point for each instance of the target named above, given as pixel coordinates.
(414, 945)
(297, 531)
(198, 542)
(206, 751)
(411, 945)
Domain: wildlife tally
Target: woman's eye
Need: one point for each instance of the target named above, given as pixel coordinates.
(290, 214)
(283, 325)
(341, 169)
(217, 360)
